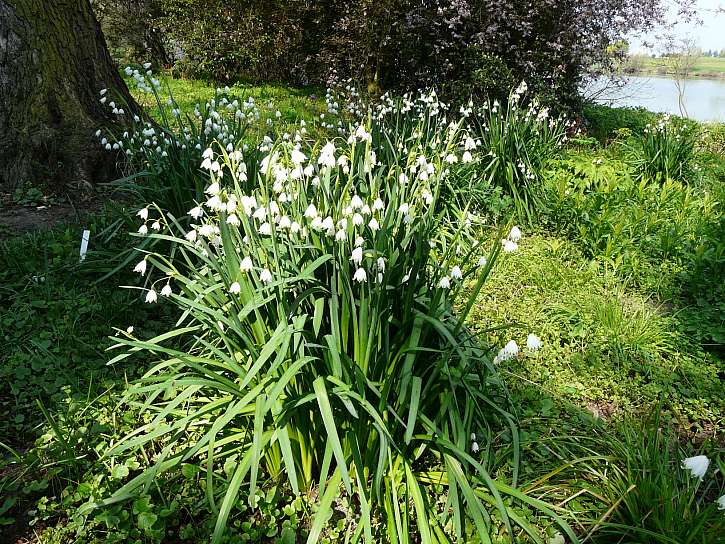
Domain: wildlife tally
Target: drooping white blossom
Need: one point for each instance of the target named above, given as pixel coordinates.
(697, 465)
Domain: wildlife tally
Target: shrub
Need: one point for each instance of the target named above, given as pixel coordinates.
(487, 77)
(605, 122)
(318, 344)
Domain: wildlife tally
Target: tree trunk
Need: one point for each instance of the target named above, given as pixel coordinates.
(53, 65)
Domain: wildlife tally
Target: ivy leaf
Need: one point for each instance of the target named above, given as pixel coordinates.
(119, 472)
(146, 521)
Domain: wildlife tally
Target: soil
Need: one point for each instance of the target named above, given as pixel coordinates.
(48, 211)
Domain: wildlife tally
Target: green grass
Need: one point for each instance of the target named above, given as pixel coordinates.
(294, 103)
(606, 349)
(706, 67)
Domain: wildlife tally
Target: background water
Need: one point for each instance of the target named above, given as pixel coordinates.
(704, 98)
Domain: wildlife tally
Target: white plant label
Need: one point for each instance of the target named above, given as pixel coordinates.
(84, 243)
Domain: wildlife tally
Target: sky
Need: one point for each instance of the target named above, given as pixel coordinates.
(709, 35)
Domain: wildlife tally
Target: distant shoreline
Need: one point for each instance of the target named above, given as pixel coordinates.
(703, 67)
(654, 73)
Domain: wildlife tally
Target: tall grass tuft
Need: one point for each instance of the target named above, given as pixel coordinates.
(665, 150)
(317, 344)
(519, 140)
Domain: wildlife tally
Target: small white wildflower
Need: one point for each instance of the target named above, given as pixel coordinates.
(378, 205)
(533, 342)
(509, 246)
(467, 157)
(191, 235)
(482, 262)
(404, 207)
(156, 225)
(360, 275)
(213, 189)
(235, 288)
(341, 235)
(356, 202)
(474, 447)
(357, 256)
(357, 219)
(246, 264)
(143, 213)
(141, 267)
(207, 230)
(265, 228)
(511, 348)
(696, 465)
(166, 291)
(515, 234)
(359, 241)
(445, 282)
(373, 224)
(265, 276)
(233, 220)
(381, 264)
(143, 229)
(284, 222)
(151, 296)
(311, 211)
(456, 273)
(721, 503)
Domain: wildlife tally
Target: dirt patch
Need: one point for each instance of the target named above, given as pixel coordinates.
(48, 212)
(602, 409)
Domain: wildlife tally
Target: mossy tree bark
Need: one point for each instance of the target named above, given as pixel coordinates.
(53, 64)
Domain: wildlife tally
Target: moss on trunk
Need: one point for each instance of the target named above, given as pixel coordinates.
(53, 64)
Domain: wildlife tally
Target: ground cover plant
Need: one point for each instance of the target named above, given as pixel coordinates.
(287, 362)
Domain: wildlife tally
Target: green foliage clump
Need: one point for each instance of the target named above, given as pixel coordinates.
(295, 358)
(665, 150)
(518, 140)
(605, 122)
(487, 77)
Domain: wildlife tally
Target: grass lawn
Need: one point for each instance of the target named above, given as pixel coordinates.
(629, 378)
(706, 67)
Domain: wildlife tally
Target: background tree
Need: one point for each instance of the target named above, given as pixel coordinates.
(53, 64)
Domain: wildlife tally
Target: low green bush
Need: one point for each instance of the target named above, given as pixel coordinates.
(604, 121)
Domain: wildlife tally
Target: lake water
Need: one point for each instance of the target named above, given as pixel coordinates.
(704, 98)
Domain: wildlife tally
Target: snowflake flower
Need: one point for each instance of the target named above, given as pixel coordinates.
(151, 296)
(265, 276)
(533, 342)
(246, 264)
(696, 465)
(141, 267)
(143, 213)
(235, 288)
(515, 234)
(360, 275)
(445, 282)
(509, 246)
(166, 291)
(357, 256)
